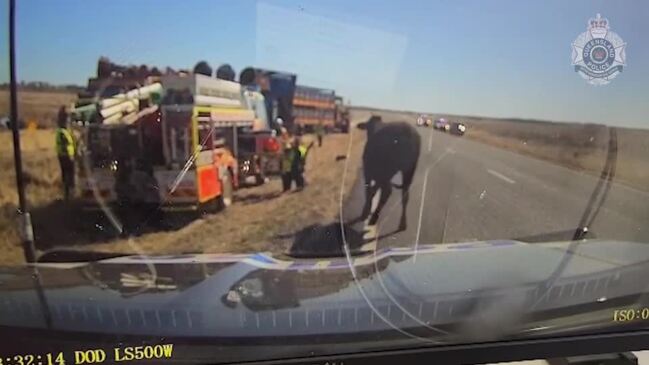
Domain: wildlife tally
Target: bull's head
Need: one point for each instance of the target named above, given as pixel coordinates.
(371, 125)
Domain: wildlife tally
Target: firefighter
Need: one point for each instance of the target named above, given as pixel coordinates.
(287, 160)
(319, 132)
(65, 150)
(298, 162)
(301, 153)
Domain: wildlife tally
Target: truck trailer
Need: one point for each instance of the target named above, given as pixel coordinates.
(313, 106)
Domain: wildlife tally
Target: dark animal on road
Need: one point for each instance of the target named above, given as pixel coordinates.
(390, 148)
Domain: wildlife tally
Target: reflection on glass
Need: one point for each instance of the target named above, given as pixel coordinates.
(311, 179)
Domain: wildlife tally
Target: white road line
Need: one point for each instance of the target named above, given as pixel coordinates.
(580, 173)
(501, 176)
(430, 141)
(445, 223)
(421, 201)
(421, 212)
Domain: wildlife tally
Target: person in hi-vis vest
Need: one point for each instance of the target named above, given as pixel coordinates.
(293, 163)
(65, 151)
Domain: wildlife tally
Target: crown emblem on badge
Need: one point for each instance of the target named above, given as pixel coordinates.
(598, 54)
(598, 26)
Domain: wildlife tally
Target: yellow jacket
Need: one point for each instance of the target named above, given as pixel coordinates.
(289, 155)
(64, 142)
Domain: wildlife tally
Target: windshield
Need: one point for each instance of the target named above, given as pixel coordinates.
(272, 174)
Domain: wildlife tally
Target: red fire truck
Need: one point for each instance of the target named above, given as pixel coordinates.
(181, 154)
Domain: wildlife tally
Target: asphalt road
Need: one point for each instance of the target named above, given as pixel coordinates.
(466, 191)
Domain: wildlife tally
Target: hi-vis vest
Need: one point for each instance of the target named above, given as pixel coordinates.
(287, 161)
(64, 142)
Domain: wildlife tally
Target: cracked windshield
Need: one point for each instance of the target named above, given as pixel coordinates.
(276, 179)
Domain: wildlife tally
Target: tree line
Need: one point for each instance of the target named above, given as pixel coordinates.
(43, 86)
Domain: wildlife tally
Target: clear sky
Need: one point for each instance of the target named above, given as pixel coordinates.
(501, 58)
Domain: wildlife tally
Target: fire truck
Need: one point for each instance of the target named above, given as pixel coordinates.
(184, 143)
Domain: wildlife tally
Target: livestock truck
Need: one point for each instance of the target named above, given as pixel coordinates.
(313, 106)
(341, 124)
(191, 150)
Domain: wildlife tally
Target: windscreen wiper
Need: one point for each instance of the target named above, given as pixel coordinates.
(597, 199)
(595, 202)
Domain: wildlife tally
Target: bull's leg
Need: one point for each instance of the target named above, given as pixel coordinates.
(386, 191)
(405, 196)
(403, 224)
(370, 190)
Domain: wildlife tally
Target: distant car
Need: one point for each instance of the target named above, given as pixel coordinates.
(441, 124)
(457, 128)
(424, 121)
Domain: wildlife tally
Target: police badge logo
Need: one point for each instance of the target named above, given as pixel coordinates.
(598, 54)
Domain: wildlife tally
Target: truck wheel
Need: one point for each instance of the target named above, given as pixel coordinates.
(209, 207)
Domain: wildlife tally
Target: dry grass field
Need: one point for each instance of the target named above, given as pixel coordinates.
(40, 107)
(39, 160)
(42, 178)
(261, 219)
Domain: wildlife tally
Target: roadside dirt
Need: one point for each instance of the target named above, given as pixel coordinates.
(260, 219)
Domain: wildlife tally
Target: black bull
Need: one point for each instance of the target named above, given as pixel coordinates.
(390, 148)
